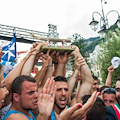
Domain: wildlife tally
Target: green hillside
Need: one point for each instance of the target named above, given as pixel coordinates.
(90, 44)
(93, 41)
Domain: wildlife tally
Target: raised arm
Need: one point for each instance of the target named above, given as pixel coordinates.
(30, 63)
(12, 75)
(46, 70)
(61, 67)
(72, 80)
(109, 77)
(87, 80)
(49, 72)
(41, 73)
(16, 72)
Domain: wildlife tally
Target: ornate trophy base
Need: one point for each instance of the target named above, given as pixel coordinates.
(60, 49)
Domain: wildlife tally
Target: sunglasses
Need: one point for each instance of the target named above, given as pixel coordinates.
(112, 90)
(118, 89)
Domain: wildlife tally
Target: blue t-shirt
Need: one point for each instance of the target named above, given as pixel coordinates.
(52, 116)
(13, 111)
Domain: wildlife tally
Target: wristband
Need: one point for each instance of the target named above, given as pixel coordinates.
(74, 76)
(49, 66)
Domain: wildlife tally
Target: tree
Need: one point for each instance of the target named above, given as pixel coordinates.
(110, 49)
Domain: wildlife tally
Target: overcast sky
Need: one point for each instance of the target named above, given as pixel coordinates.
(70, 16)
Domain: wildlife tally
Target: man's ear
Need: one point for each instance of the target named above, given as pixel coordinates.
(16, 97)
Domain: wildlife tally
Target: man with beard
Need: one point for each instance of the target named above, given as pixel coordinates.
(61, 110)
(113, 112)
(61, 96)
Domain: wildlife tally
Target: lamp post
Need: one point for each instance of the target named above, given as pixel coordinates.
(104, 26)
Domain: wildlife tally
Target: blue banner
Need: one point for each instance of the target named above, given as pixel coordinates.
(9, 51)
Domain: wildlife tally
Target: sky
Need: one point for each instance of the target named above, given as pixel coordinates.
(70, 16)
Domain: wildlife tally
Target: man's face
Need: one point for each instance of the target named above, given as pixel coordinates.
(95, 85)
(109, 99)
(118, 91)
(29, 97)
(61, 96)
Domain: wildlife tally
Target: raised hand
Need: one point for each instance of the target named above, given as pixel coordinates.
(46, 59)
(111, 69)
(79, 62)
(76, 51)
(37, 46)
(63, 59)
(109, 77)
(77, 112)
(46, 98)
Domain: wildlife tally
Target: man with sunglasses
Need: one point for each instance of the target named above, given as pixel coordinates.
(109, 96)
(113, 112)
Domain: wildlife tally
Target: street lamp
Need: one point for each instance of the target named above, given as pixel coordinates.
(103, 21)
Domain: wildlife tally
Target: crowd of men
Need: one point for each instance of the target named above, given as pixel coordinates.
(49, 95)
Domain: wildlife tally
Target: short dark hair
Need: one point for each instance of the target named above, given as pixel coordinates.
(85, 98)
(60, 79)
(95, 77)
(98, 111)
(103, 87)
(17, 83)
(109, 91)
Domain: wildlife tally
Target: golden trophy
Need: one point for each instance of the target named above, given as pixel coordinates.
(58, 48)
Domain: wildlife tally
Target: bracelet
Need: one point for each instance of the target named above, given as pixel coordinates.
(74, 76)
(49, 66)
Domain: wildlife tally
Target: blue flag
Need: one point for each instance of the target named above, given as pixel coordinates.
(9, 51)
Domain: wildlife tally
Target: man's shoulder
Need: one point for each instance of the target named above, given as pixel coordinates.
(110, 113)
(52, 116)
(16, 116)
(109, 109)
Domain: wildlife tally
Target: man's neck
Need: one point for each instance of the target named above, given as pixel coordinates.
(20, 109)
(58, 110)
